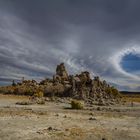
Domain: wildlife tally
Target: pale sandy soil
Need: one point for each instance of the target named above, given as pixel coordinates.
(53, 122)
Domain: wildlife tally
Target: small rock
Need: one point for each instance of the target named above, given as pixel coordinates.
(65, 116)
(92, 114)
(57, 115)
(98, 108)
(109, 108)
(92, 119)
(39, 132)
(50, 128)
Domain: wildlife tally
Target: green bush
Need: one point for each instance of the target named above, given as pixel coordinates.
(76, 104)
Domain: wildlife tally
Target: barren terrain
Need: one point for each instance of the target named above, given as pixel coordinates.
(54, 121)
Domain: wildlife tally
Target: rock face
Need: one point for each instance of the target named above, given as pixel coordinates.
(61, 71)
(80, 86)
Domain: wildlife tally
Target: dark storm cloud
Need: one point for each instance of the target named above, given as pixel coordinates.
(88, 35)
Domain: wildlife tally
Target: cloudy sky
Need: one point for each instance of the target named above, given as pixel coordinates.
(100, 36)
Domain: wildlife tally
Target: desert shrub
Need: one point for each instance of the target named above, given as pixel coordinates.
(108, 90)
(39, 94)
(113, 91)
(75, 104)
(7, 90)
(29, 91)
(54, 89)
(41, 102)
(23, 90)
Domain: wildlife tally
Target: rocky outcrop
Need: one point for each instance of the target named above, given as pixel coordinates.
(80, 86)
(61, 73)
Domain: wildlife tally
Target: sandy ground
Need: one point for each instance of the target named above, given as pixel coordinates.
(53, 121)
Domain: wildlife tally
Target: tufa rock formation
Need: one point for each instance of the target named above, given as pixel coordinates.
(80, 86)
(61, 72)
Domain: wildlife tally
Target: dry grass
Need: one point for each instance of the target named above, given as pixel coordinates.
(14, 96)
(132, 98)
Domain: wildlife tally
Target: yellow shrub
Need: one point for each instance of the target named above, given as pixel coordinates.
(39, 94)
(76, 104)
(113, 91)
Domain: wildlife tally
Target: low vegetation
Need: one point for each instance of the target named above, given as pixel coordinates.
(41, 102)
(131, 98)
(39, 94)
(24, 103)
(113, 91)
(75, 104)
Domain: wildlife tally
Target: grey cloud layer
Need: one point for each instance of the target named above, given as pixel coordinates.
(85, 34)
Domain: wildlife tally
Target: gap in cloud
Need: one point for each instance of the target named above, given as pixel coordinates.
(131, 63)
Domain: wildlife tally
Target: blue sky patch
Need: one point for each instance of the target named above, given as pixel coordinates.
(131, 63)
